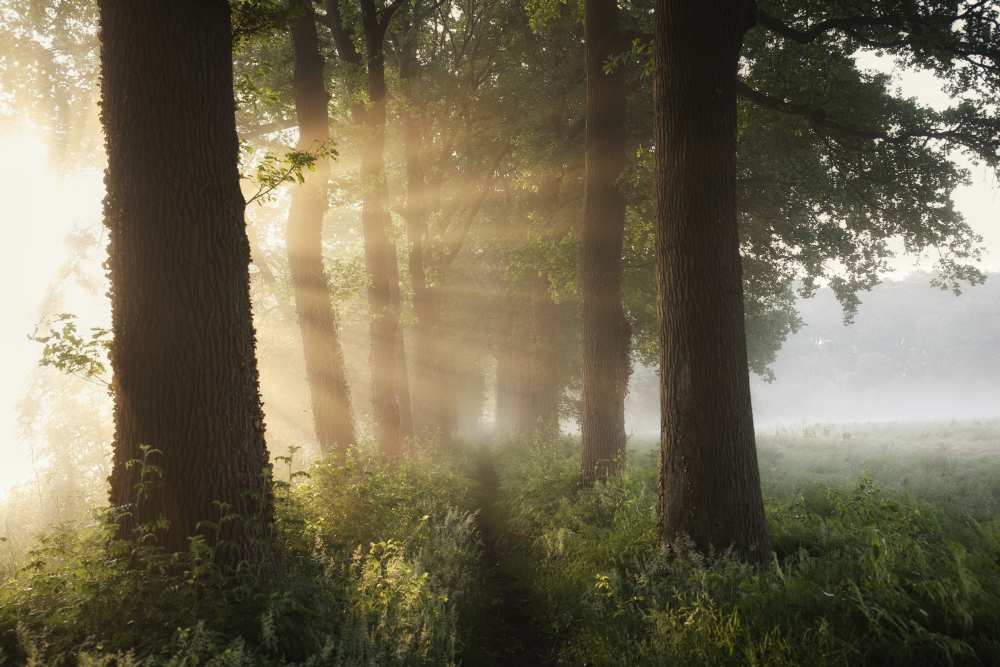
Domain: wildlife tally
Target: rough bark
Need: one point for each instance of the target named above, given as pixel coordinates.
(330, 396)
(185, 372)
(606, 332)
(710, 484)
(392, 418)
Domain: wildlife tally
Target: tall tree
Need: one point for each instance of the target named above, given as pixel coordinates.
(185, 371)
(331, 400)
(426, 304)
(606, 332)
(882, 159)
(392, 410)
(451, 152)
(710, 483)
(389, 375)
(543, 390)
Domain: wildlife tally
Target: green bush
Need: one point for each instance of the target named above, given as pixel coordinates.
(373, 562)
(860, 576)
(381, 564)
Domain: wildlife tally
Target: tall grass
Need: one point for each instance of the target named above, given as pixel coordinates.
(887, 552)
(374, 563)
(861, 575)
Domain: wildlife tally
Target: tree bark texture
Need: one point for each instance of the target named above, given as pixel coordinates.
(185, 372)
(333, 417)
(710, 484)
(392, 417)
(606, 332)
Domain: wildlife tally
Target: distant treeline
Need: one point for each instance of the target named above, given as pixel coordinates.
(912, 352)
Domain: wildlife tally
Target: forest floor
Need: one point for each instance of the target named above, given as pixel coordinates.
(509, 633)
(886, 539)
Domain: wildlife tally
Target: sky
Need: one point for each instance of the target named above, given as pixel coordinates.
(979, 201)
(41, 208)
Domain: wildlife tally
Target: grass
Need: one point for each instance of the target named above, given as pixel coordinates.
(375, 566)
(887, 552)
(954, 466)
(887, 542)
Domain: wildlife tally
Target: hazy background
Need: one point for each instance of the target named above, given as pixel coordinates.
(869, 371)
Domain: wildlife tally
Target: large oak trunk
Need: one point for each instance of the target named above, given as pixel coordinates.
(710, 484)
(185, 373)
(331, 401)
(606, 332)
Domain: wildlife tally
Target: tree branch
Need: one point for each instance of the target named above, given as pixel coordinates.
(818, 118)
(387, 12)
(819, 29)
(454, 246)
(902, 27)
(343, 37)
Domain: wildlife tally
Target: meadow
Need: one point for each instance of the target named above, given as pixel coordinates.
(887, 551)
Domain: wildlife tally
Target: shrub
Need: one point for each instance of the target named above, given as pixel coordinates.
(860, 576)
(372, 563)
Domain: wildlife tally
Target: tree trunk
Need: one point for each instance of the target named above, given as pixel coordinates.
(606, 332)
(185, 372)
(507, 371)
(331, 400)
(468, 384)
(380, 252)
(710, 484)
(426, 306)
(403, 377)
(540, 382)
(544, 368)
(524, 344)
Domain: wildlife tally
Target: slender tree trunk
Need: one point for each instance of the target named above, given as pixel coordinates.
(507, 370)
(606, 332)
(545, 377)
(468, 385)
(542, 385)
(403, 378)
(426, 306)
(524, 342)
(185, 372)
(331, 400)
(710, 484)
(380, 251)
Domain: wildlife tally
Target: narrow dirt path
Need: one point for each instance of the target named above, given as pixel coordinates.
(509, 634)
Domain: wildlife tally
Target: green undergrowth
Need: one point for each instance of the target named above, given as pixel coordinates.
(886, 553)
(373, 568)
(861, 574)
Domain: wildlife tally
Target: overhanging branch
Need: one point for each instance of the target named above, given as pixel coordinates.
(818, 118)
(847, 24)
